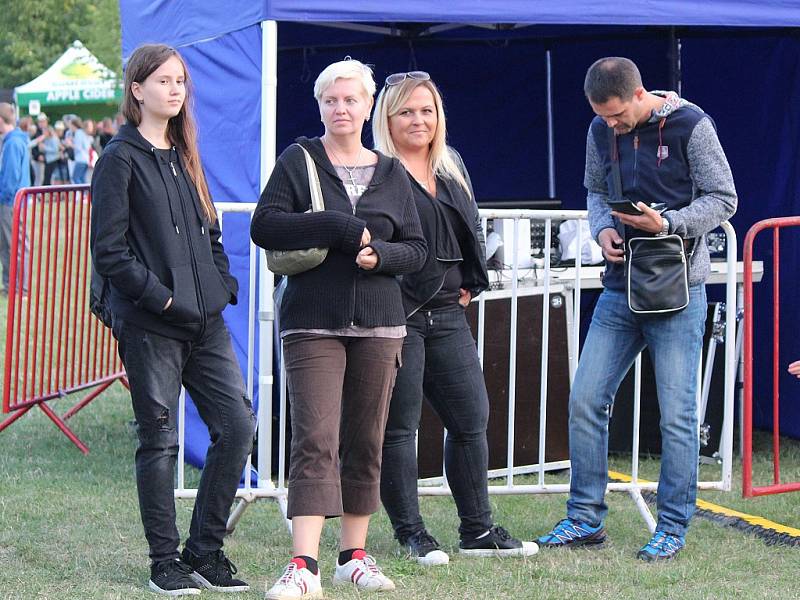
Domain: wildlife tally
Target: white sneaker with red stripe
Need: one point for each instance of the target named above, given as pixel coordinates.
(296, 582)
(362, 572)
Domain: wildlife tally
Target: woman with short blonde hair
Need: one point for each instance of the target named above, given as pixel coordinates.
(342, 325)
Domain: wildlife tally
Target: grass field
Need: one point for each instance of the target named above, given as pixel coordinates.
(70, 529)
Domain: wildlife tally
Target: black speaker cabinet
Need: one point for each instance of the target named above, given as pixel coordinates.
(528, 371)
(620, 429)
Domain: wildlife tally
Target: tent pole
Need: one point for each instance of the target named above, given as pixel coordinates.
(551, 159)
(266, 306)
(675, 75)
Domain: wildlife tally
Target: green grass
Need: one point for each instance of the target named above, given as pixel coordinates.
(70, 529)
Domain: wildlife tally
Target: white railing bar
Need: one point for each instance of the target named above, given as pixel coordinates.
(558, 465)
(637, 384)
(731, 358)
(266, 488)
(512, 358)
(575, 347)
(482, 308)
(545, 353)
(282, 426)
(181, 438)
(251, 347)
(500, 490)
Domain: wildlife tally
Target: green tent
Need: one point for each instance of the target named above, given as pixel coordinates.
(76, 83)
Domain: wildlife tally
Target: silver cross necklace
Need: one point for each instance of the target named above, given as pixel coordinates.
(349, 170)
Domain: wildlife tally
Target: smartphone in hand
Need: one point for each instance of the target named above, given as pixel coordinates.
(629, 208)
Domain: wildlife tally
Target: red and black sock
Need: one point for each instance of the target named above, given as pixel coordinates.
(345, 556)
(306, 562)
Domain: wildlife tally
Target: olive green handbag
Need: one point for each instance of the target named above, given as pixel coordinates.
(292, 262)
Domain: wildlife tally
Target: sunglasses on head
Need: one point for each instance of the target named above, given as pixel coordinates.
(398, 78)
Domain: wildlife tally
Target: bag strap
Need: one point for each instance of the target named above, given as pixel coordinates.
(615, 193)
(317, 201)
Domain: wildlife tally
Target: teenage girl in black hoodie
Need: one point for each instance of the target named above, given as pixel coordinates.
(155, 237)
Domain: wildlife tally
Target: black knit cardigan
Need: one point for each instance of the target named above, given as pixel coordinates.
(338, 293)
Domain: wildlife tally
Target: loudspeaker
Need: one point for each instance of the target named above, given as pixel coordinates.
(528, 379)
(620, 428)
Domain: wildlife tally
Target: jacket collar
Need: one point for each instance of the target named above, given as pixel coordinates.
(383, 169)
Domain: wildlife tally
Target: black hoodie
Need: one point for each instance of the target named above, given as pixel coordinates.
(149, 238)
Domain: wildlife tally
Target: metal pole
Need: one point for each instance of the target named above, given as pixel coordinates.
(551, 159)
(266, 307)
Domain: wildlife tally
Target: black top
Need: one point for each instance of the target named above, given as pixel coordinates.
(456, 227)
(149, 238)
(456, 247)
(337, 293)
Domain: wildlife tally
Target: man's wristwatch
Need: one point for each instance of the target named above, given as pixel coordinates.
(664, 226)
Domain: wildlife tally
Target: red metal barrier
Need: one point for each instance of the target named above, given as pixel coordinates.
(748, 490)
(54, 345)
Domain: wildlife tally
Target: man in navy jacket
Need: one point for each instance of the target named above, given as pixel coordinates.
(668, 152)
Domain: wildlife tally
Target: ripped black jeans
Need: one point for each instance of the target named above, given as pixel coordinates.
(207, 367)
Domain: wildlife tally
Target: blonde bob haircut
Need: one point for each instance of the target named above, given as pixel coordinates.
(348, 68)
(390, 102)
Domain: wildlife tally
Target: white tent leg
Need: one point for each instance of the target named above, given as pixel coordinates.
(235, 515)
(644, 510)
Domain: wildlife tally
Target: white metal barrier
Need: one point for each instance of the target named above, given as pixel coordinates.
(571, 284)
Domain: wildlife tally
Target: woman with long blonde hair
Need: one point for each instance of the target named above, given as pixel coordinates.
(439, 354)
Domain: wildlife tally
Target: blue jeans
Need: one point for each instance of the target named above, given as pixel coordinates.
(79, 171)
(156, 366)
(441, 359)
(615, 338)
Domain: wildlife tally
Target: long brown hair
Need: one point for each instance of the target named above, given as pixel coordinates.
(181, 129)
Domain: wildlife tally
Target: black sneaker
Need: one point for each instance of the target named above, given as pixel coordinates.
(424, 548)
(214, 571)
(172, 578)
(497, 542)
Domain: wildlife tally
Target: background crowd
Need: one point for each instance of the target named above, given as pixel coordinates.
(66, 150)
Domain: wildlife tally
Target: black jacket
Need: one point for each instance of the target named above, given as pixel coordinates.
(337, 293)
(149, 238)
(444, 251)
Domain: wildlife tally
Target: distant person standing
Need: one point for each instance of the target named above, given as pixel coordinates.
(50, 149)
(15, 173)
(105, 131)
(80, 142)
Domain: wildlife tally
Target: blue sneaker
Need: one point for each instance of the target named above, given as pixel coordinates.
(662, 546)
(569, 532)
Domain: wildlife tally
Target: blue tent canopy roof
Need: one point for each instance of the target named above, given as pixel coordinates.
(188, 21)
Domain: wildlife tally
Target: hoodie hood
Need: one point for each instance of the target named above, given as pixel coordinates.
(129, 134)
(672, 102)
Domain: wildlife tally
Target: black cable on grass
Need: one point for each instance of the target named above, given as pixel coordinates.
(773, 534)
(749, 524)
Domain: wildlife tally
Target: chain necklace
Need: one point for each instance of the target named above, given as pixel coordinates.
(349, 170)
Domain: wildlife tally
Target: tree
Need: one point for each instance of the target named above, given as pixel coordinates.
(34, 34)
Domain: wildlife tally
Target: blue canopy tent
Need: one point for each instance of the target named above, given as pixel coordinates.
(513, 94)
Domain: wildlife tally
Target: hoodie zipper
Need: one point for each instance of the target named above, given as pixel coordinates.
(198, 288)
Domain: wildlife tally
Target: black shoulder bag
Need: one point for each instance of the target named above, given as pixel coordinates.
(656, 268)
